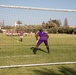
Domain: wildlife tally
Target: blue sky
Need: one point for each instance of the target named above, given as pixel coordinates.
(59, 4)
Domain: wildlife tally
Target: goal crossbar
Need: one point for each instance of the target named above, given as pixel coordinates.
(36, 8)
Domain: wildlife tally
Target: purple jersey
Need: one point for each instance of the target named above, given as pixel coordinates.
(42, 35)
(43, 38)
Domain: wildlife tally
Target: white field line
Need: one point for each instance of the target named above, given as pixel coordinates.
(42, 64)
(18, 56)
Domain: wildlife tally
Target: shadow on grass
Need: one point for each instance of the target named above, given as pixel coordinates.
(61, 71)
(38, 49)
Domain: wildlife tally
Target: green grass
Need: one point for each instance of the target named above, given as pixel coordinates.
(13, 52)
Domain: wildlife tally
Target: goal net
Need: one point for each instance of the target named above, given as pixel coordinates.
(15, 53)
(35, 16)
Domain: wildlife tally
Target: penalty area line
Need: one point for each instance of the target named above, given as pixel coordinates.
(18, 56)
(42, 64)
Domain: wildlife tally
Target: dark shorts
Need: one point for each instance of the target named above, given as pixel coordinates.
(40, 41)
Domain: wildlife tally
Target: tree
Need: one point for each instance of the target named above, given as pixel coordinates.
(19, 22)
(53, 23)
(49, 24)
(43, 24)
(65, 22)
(57, 22)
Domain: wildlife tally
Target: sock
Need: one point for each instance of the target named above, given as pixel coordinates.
(48, 49)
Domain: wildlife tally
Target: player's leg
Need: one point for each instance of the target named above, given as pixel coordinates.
(46, 44)
(21, 38)
(37, 45)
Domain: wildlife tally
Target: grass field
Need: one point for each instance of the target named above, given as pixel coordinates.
(13, 52)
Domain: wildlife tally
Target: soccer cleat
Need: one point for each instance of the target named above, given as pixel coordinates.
(34, 50)
(48, 51)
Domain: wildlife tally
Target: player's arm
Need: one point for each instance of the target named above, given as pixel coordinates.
(37, 36)
(47, 35)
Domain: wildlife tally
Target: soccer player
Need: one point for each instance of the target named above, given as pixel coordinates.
(21, 35)
(41, 36)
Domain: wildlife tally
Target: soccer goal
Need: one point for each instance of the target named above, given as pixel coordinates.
(14, 53)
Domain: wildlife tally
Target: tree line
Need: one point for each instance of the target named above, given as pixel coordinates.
(52, 26)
